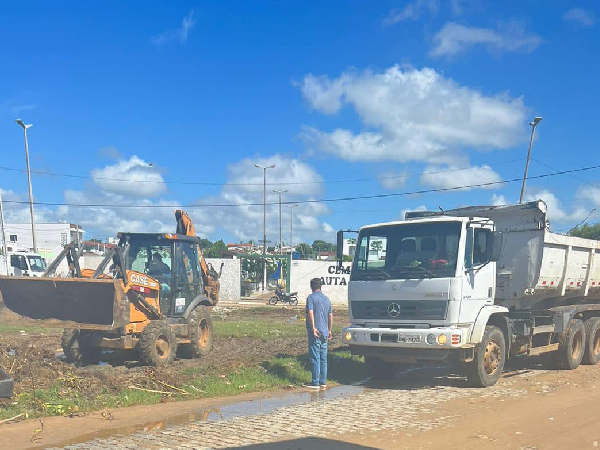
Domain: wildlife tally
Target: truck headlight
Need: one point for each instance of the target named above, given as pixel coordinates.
(442, 339)
(430, 339)
(347, 336)
(355, 335)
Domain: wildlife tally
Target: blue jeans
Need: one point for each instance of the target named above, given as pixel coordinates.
(317, 355)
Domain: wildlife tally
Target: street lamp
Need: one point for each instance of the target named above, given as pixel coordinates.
(25, 127)
(264, 168)
(291, 225)
(533, 125)
(280, 238)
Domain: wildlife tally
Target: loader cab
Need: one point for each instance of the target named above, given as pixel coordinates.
(172, 260)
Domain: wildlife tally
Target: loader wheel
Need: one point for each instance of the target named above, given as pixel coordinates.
(157, 344)
(76, 349)
(592, 337)
(571, 346)
(490, 355)
(201, 334)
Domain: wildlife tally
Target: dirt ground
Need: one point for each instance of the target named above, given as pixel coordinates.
(31, 358)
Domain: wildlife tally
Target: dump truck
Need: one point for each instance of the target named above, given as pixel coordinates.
(152, 293)
(473, 286)
(23, 263)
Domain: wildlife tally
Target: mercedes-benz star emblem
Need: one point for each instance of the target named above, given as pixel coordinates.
(394, 309)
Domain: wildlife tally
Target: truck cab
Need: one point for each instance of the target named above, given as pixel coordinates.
(26, 264)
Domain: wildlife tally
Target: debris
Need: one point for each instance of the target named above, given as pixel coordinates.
(243, 386)
(137, 388)
(12, 419)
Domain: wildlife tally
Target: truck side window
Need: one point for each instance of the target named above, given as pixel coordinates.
(482, 246)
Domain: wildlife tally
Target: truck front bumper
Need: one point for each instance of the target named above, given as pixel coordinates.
(442, 338)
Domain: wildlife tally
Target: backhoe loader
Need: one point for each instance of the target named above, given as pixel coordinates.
(153, 293)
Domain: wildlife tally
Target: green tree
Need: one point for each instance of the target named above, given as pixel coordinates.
(305, 250)
(205, 244)
(216, 250)
(376, 246)
(587, 231)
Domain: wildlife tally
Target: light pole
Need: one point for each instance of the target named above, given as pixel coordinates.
(20, 122)
(264, 262)
(4, 250)
(280, 238)
(291, 225)
(533, 125)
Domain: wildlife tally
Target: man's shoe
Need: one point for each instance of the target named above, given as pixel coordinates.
(322, 387)
(310, 386)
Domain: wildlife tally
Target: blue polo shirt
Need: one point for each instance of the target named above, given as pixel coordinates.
(319, 304)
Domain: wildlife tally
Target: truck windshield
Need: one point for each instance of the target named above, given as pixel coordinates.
(420, 250)
(37, 263)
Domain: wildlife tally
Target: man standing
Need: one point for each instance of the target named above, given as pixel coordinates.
(319, 320)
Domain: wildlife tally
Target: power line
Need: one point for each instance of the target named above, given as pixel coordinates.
(210, 183)
(330, 200)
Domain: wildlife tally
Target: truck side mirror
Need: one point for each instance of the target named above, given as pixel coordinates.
(497, 245)
(340, 248)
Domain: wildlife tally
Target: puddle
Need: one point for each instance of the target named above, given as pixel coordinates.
(225, 412)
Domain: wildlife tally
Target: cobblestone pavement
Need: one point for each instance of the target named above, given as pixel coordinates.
(368, 411)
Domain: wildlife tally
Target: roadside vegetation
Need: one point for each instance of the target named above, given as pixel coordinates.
(255, 350)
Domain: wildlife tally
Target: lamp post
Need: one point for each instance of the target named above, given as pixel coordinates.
(533, 125)
(291, 225)
(25, 127)
(264, 263)
(280, 238)
(4, 250)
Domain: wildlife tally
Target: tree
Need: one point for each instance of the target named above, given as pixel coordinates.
(205, 244)
(305, 250)
(271, 249)
(587, 231)
(376, 246)
(352, 241)
(97, 241)
(216, 250)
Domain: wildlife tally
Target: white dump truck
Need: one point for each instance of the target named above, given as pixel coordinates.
(476, 286)
(23, 263)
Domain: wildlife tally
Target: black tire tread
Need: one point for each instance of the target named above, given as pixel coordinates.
(147, 343)
(591, 326)
(194, 350)
(563, 354)
(75, 350)
(475, 375)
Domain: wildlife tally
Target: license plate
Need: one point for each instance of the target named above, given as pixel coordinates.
(408, 339)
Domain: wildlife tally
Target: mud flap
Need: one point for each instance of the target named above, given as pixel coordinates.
(88, 303)
(6, 385)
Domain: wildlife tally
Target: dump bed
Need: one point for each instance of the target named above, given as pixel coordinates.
(537, 268)
(73, 302)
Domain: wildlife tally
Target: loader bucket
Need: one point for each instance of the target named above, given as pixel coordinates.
(73, 302)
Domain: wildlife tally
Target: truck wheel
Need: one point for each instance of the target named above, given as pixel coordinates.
(379, 369)
(75, 348)
(592, 337)
(571, 346)
(201, 334)
(490, 355)
(157, 344)
(273, 300)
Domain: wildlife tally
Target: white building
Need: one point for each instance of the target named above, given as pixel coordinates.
(51, 237)
(349, 247)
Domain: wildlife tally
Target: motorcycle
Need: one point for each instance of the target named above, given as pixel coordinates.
(281, 296)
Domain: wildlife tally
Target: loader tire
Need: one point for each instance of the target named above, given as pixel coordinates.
(592, 338)
(157, 344)
(201, 334)
(571, 346)
(76, 349)
(379, 369)
(490, 356)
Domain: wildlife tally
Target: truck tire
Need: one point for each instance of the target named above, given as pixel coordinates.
(571, 346)
(76, 349)
(157, 344)
(490, 356)
(201, 334)
(379, 369)
(592, 338)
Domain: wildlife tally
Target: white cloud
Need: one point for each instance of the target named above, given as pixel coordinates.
(451, 177)
(110, 152)
(145, 180)
(394, 179)
(418, 208)
(580, 16)
(499, 200)
(412, 115)
(455, 38)
(179, 34)
(556, 212)
(412, 11)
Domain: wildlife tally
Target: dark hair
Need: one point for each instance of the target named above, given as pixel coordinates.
(315, 284)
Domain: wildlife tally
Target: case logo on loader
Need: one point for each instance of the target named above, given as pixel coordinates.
(142, 280)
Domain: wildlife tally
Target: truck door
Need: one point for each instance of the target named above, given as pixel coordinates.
(479, 274)
(187, 277)
(19, 265)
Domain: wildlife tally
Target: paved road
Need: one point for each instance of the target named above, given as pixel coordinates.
(357, 411)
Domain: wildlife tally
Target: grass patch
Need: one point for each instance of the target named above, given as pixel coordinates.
(264, 329)
(64, 398)
(11, 328)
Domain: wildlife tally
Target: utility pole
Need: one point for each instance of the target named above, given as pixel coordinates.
(280, 238)
(533, 125)
(4, 249)
(264, 261)
(291, 225)
(25, 127)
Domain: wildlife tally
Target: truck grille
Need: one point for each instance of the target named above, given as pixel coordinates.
(421, 309)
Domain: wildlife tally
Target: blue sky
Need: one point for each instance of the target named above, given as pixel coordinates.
(330, 93)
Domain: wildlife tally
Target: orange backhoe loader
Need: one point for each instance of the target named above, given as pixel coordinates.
(152, 293)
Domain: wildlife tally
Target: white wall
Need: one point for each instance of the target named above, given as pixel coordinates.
(335, 280)
(230, 278)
